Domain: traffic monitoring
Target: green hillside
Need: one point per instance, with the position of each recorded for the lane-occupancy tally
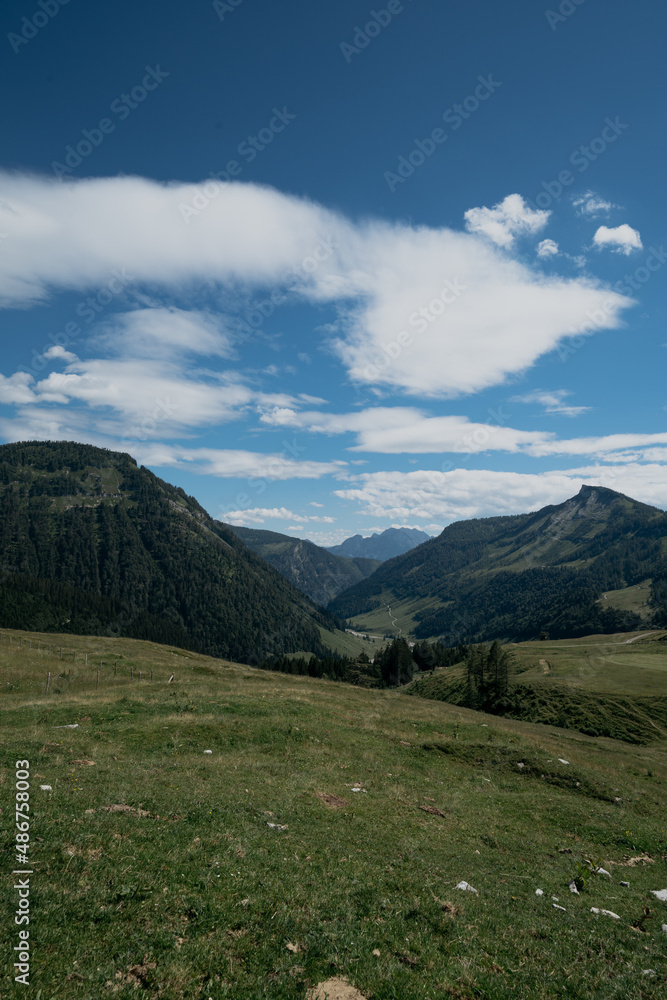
(612, 685)
(316, 572)
(514, 577)
(90, 543)
(255, 870)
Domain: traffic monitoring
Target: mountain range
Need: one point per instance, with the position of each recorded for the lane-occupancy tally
(316, 571)
(383, 545)
(91, 543)
(518, 576)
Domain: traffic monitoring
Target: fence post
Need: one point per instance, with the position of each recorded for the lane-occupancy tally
(132, 672)
(61, 652)
(114, 667)
(48, 681)
(151, 675)
(85, 659)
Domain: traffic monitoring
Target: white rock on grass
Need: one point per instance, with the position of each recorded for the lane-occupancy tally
(660, 894)
(538, 892)
(605, 913)
(626, 884)
(664, 928)
(46, 788)
(208, 751)
(466, 887)
(563, 761)
(573, 888)
(602, 871)
(557, 907)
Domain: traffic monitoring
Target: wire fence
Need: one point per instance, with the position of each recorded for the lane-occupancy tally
(33, 665)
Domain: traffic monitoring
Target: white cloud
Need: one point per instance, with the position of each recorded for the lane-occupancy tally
(258, 515)
(398, 430)
(161, 332)
(621, 239)
(546, 249)
(553, 402)
(17, 388)
(314, 503)
(466, 313)
(57, 353)
(465, 493)
(150, 397)
(508, 219)
(446, 314)
(592, 204)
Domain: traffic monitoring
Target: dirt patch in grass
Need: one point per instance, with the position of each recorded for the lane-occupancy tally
(333, 801)
(125, 809)
(334, 989)
(433, 810)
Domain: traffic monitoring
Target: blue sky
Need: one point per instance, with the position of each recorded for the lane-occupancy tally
(333, 268)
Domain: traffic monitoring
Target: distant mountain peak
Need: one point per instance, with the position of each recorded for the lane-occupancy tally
(598, 491)
(385, 545)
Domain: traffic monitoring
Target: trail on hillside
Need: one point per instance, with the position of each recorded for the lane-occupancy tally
(393, 622)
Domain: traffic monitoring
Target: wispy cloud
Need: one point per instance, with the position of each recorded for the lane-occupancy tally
(552, 401)
(592, 205)
(443, 497)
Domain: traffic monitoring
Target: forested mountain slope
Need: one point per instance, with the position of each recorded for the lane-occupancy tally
(516, 576)
(314, 570)
(90, 543)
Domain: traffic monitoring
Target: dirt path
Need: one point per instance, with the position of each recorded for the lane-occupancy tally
(583, 645)
(393, 621)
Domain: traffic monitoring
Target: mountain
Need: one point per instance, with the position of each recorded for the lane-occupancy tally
(383, 546)
(314, 570)
(92, 544)
(514, 577)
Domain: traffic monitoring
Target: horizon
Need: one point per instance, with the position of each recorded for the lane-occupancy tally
(406, 276)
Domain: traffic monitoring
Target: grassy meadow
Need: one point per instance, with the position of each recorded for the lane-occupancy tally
(257, 871)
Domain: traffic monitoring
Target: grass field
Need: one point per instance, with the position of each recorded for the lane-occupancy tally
(604, 663)
(611, 685)
(635, 598)
(255, 871)
(380, 622)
